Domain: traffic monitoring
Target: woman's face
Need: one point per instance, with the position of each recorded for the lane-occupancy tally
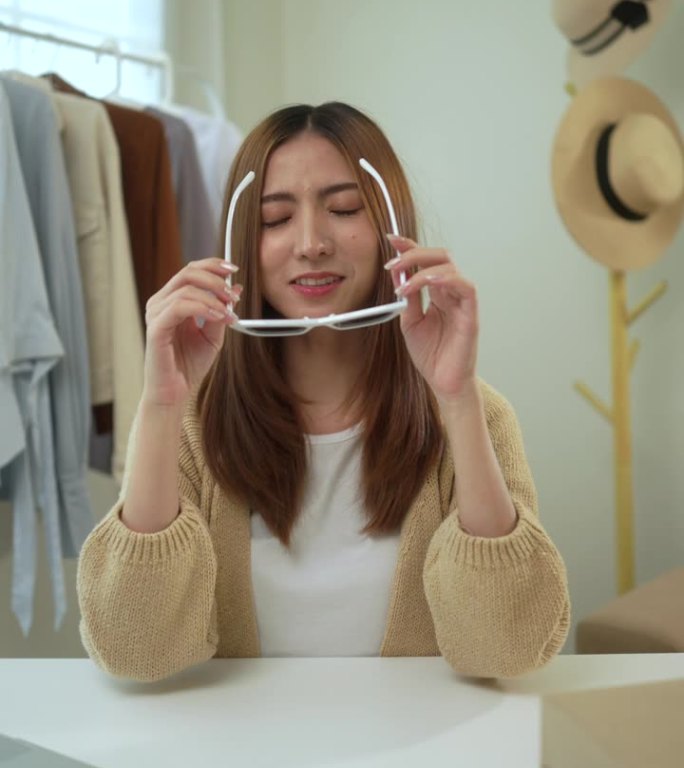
(319, 252)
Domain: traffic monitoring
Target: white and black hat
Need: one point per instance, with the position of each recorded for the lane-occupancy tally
(606, 36)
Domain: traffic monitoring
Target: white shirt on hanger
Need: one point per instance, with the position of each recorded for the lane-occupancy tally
(218, 141)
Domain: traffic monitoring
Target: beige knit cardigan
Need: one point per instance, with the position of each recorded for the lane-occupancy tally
(154, 604)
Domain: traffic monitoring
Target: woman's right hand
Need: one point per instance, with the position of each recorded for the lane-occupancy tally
(178, 352)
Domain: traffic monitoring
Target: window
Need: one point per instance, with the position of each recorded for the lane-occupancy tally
(135, 26)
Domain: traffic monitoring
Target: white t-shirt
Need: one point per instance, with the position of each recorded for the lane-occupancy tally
(328, 594)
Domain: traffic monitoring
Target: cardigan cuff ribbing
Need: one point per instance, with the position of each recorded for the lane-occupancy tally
(129, 546)
(500, 552)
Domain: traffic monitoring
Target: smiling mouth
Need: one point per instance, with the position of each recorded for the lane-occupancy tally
(316, 282)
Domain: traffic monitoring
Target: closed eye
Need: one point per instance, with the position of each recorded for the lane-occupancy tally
(276, 223)
(347, 212)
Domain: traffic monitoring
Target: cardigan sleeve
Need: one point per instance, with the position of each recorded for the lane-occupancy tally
(500, 606)
(147, 600)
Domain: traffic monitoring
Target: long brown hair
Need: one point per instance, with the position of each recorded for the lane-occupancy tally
(252, 434)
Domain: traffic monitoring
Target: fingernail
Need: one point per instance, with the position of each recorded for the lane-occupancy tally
(229, 266)
(232, 294)
(393, 262)
(434, 278)
(392, 236)
(401, 289)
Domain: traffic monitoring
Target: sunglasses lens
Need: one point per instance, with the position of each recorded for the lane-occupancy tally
(362, 322)
(298, 331)
(265, 331)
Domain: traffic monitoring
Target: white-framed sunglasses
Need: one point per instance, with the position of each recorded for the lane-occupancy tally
(345, 321)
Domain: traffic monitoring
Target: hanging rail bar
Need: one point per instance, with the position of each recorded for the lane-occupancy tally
(161, 61)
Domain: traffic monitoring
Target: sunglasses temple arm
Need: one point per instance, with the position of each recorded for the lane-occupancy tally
(249, 178)
(388, 201)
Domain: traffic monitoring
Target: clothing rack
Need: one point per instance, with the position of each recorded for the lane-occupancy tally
(160, 60)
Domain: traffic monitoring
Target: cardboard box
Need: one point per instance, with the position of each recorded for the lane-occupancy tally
(635, 726)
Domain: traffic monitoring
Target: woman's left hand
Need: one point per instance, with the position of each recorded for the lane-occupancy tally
(442, 341)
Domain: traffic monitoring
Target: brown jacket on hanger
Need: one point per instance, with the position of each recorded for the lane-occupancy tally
(149, 201)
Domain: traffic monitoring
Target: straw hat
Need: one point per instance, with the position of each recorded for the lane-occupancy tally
(618, 173)
(606, 36)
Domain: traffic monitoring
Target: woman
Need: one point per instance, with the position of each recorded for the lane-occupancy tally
(338, 492)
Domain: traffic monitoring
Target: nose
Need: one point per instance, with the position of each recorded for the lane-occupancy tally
(312, 240)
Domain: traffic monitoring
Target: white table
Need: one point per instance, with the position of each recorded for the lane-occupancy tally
(351, 713)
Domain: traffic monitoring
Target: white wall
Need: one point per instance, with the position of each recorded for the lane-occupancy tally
(471, 94)
(235, 46)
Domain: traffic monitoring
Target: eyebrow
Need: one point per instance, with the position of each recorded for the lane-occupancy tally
(325, 192)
